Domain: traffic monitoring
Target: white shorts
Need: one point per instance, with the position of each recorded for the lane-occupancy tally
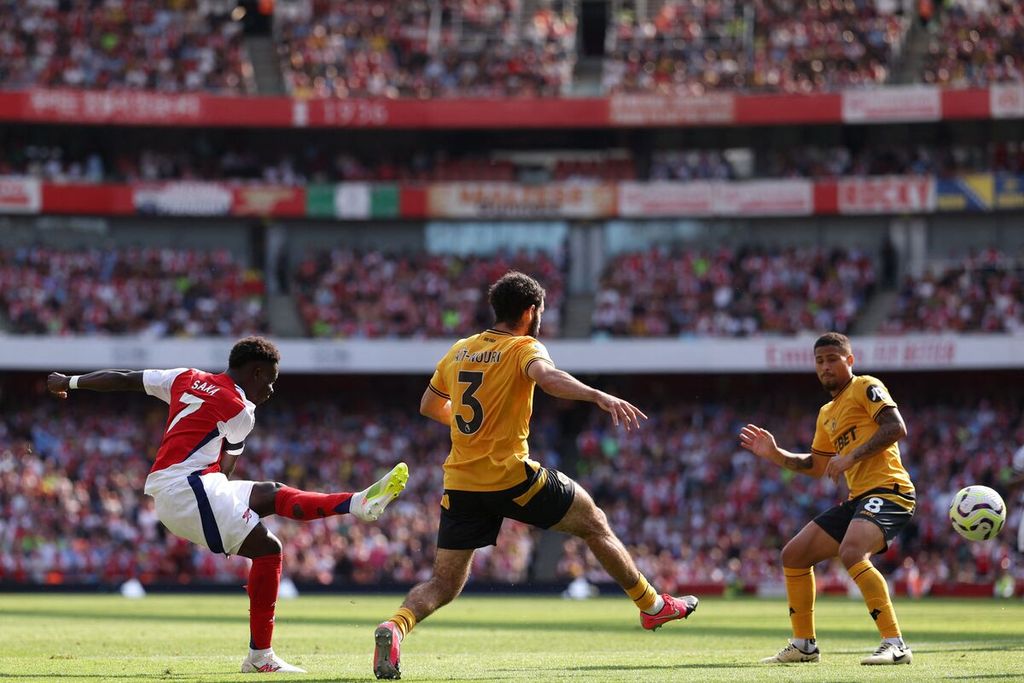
(1020, 534)
(208, 510)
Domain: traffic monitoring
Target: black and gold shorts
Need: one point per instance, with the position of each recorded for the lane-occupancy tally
(472, 519)
(890, 509)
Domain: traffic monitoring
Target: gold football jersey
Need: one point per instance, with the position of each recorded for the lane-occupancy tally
(484, 376)
(847, 421)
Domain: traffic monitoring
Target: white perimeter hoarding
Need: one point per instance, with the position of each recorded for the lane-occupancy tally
(789, 354)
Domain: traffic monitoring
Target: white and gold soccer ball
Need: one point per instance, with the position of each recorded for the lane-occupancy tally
(977, 513)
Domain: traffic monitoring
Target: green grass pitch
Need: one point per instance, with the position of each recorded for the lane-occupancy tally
(204, 638)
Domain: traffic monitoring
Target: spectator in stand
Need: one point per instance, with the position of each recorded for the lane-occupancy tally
(346, 293)
(691, 47)
(731, 293)
(983, 293)
(977, 44)
(151, 292)
(452, 48)
(165, 46)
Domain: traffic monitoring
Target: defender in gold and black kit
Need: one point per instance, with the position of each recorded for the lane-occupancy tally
(482, 390)
(856, 436)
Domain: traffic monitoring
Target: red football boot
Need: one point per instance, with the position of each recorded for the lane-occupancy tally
(675, 608)
(386, 653)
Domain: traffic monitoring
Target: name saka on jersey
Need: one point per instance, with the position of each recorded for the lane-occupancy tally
(209, 416)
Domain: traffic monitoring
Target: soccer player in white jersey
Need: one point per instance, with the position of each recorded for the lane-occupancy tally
(209, 419)
(1016, 483)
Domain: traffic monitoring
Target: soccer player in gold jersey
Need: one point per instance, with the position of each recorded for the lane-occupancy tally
(855, 436)
(482, 390)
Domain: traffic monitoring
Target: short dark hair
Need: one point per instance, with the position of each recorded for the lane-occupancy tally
(513, 293)
(253, 349)
(834, 339)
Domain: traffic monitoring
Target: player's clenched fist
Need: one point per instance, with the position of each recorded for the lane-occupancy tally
(57, 384)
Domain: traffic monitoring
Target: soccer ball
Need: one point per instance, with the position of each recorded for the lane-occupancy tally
(977, 513)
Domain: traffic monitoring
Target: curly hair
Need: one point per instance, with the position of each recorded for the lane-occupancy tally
(253, 349)
(834, 339)
(512, 294)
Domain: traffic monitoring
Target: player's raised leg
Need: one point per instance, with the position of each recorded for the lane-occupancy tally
(587, 521)
(270, 498)
(863, 539)
(264, 580)
(451, 570)
(809, 547)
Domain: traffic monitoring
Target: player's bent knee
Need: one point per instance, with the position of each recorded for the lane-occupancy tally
(794, 555)
(851, 555)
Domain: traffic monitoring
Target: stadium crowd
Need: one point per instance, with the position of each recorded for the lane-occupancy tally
(349, 293)
(206, 157)
(690, 504)
(980, 293)
(140, 291)
(977, 43)
(166, 46)
(731, 292)
(697, 508)
(384, 48)
(691, 47)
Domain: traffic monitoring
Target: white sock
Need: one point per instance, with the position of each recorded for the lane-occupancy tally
(805, 645)
(659, 604)
(898, 641)
(259, 653)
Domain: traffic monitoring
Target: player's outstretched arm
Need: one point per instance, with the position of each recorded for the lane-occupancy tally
(561, 384)
(761, 443)
(102, 380)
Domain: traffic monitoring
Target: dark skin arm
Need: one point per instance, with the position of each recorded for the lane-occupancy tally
(891, 429)
(101, 380)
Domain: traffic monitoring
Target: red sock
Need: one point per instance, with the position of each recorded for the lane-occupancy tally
(296, 504)
(264, 580)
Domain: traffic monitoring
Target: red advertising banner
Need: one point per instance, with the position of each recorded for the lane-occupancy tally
(268, 200)
(887, 194)
(667, 110)
(892, 104)
(880, 105)
(84, 199)
(20, 195)
(509, 200)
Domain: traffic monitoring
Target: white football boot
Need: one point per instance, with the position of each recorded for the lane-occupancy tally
(266, 662)
(890, 653)
(368, 505)
(791, 654)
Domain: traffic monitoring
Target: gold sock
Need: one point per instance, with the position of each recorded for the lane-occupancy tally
(800, 594)
(405, 620)
(642, 595)
(876, 596)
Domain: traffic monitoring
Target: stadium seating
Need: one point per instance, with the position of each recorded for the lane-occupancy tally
(347, 293)
(149, 292)
(384, 48)
(691, 47)
(166, 46)
(731, 292)
(976, 44)
(982, 293)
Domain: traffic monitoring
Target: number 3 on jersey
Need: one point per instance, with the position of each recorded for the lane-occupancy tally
(474, 380)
